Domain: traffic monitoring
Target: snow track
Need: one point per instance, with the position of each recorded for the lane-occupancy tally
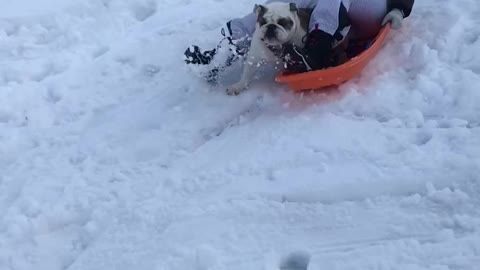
(113, 155)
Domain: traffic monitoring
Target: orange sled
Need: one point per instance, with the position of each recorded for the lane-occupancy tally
(314, 80)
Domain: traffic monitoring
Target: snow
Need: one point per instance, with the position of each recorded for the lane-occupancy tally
(114, 155)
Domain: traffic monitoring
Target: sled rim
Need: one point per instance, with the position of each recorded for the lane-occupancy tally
(318, 79)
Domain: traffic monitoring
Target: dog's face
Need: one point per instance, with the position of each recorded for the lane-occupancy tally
(276, 22)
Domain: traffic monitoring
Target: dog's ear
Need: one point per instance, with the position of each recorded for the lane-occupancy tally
(293, 7)
(260, 10)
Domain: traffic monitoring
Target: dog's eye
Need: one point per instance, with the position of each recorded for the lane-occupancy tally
(285, 23)
(262, 21)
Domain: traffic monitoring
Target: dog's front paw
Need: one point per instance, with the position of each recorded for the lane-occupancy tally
(235, 90)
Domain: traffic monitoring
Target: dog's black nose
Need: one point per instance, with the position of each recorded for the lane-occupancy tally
(271, 31)
(271, 27)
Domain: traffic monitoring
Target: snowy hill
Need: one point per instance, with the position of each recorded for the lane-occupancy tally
(113, 155)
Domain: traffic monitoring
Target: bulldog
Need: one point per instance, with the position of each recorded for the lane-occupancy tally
(278, 24)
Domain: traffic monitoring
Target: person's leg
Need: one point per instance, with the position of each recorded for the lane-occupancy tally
(236, 36)
(366, 17)
(241, 29)
(328, 15)
(236, 33)
(234, 43)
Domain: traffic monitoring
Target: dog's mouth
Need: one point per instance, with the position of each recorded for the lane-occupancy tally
(274, 35)
(273, 42)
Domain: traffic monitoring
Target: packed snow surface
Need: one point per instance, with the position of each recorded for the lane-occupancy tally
(115, 155)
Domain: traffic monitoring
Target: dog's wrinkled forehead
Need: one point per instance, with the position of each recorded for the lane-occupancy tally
(274, 12)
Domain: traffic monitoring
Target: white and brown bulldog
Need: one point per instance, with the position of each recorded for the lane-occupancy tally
(277, 24)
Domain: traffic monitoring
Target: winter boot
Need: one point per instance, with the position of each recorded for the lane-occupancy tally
(314, 56)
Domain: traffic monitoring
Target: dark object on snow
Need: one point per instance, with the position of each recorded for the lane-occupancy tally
(193, 55)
